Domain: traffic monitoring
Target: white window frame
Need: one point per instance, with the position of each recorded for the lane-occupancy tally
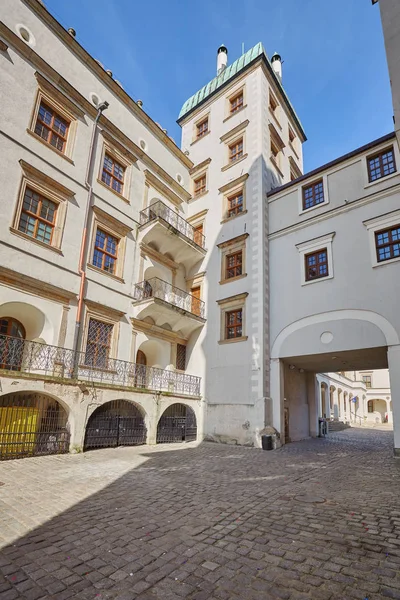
(324, 178)
(314, 245)
(387, 146)
(376, 224)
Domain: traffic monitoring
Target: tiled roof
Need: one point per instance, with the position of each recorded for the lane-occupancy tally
(227, 74)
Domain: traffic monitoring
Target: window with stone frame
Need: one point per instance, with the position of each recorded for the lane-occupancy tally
(236, 150)
(273, 103)
(387, 243)
(233, 324)
(313, 194)
(113, 173)
(381, 164)
(235, 204)
(51, 127)
(316, 264)
(38, 216)
(236, 102)
(202, 128)
(200, 185)
(98, 344)
(105, 251)
(233, 264)
(367, 379)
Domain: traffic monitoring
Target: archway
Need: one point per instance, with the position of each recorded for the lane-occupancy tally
(32, 424)
(116, 423)
(177, 424)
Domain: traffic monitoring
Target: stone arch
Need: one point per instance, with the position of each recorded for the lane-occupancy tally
(33, 320)
(116, 423)
(377, 322)
(33, 423)
(178, 423)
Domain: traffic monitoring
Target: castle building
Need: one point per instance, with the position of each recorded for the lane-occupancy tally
(153, 294)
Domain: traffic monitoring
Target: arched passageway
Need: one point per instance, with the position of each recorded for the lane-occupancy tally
(12, 336)
(116, 423)
(177, 424)
(32, 424)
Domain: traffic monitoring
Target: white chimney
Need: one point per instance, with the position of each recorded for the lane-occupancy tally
(222, 59)
(276, 62)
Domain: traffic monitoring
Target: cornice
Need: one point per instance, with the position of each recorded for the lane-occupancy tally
(234, 183)
(35, 287)
(234, 131)
(111, 221)
(233, 298)
(200, 166)
(32, 172)
(162, 188)
(235, 240)
(101, 309)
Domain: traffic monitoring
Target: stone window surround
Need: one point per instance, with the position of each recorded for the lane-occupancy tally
(227, 305)
(107, 223)
(204, 116)
(198, 219)
(56, 100)
(96, 311)
(379, 150)
(196, 172)
(313, 245)
(232, 94)
(324, 178)
(113, 149)
(229, 190)
(51, 189)
(231, 137)
(230, 247)
(375, 224)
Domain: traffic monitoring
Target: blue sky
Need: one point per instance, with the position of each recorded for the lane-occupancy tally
(163, 51)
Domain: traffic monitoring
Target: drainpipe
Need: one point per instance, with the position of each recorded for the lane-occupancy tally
(89, 185)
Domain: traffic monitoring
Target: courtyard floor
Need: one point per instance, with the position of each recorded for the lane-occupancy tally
(317, 519)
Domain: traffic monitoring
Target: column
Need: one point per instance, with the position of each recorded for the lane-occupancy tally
(394, 375)
(63, 327)
(276, 393)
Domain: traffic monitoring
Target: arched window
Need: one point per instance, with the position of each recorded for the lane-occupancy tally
(370, 406)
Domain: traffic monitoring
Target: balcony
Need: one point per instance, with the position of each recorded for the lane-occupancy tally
(167, 304)
(170, 233)
(55, 363)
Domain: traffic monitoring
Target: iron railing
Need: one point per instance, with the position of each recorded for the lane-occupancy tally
(42, 359)
(162, 211)
(157, 288)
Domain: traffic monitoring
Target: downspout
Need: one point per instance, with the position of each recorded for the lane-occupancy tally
(81, 269)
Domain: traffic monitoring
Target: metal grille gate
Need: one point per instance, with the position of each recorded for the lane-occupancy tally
(32, 425)
(177, 424)
(117, 423)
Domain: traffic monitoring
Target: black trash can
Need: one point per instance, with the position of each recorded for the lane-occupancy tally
(266, 441)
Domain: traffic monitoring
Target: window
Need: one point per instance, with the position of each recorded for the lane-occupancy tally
(370, 405)
(105, 251)
(236, 103)
(316, 264)
(387, 242)
(292, 135)
(180, 357)
(367, 379)
(233, 324)
(38, 216)
(198, 236)
(382, 164)
(202, 128)
(236, 150)
(233, 319)
(200, 185)
(233, 265)
(274, 151)
(235, 204)
(273, 103)
(51, 127)
(98, 344)
(313, 194)
(113, 174)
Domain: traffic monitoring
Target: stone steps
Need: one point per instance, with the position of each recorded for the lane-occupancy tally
(337, 426)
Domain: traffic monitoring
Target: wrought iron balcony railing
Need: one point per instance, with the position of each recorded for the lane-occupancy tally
(42, 359)
(157, 288)
(162, 211)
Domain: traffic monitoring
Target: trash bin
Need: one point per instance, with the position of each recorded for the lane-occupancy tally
(266, 441)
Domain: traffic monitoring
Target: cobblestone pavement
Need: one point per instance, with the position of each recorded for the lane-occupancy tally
(318, 519)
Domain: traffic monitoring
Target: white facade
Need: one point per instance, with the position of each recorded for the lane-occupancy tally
(44, 282)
